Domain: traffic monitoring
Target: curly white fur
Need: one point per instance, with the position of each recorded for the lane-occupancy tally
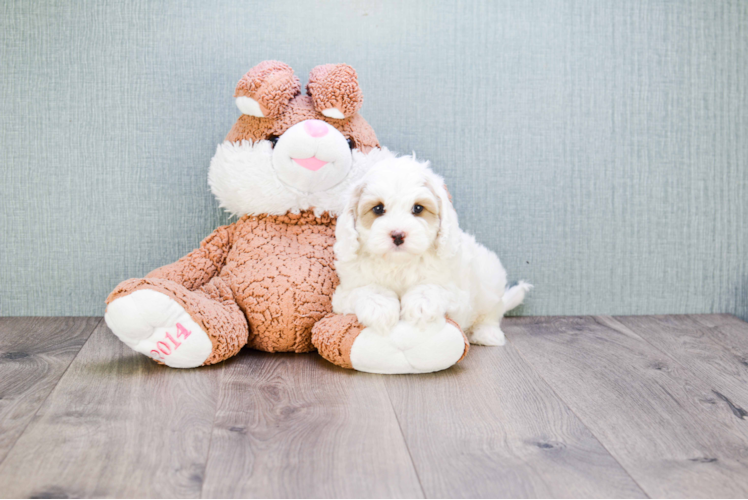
(415, 264)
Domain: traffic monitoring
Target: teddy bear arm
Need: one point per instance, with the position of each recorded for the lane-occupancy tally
(201, 265)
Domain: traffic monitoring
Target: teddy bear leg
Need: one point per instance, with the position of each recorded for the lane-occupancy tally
(175, 326)
(406, 349)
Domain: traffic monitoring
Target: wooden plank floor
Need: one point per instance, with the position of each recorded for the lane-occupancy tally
(647, 406)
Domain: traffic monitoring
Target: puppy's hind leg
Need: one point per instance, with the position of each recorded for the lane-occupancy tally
(486, 331)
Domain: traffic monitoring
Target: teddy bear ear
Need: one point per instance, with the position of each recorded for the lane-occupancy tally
(266, 89)
(335, 91)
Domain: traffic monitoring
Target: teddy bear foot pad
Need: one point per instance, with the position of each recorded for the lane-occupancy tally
(408, 349)
(156, 325)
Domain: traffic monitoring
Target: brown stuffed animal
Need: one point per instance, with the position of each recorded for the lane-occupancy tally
(268, 278)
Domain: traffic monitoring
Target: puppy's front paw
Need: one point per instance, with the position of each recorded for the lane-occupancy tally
(487, 335)
(421, 307)
(378, 311)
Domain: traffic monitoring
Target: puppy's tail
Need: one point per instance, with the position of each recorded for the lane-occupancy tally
(515, 295)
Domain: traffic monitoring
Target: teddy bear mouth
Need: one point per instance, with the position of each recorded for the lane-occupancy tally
(312, 163)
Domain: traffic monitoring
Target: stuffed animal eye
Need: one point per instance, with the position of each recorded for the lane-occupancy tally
(417, 209)
(273, 140)
(378, 210)
(351, 144)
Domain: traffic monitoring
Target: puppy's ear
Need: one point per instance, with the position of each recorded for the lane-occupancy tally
(335, 91)
(346, 235)
(266, 89)
(448, 237)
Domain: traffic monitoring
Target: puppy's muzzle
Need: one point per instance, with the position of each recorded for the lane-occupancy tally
(398, 237)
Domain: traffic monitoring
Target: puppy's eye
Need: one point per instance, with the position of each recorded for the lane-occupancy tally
(378, 210)
(351, 144)
(417, 209)
(273, 140)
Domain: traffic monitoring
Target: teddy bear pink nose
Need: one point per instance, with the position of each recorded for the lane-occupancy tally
(315, 128)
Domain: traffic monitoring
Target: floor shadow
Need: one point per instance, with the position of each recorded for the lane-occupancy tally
(134, 364)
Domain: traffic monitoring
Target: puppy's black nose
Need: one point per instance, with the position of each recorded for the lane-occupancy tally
(398, 237)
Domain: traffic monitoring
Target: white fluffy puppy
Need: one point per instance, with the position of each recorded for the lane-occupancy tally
(401, 255)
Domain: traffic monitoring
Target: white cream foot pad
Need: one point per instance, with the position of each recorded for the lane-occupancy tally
(408, 349)
(156, 325)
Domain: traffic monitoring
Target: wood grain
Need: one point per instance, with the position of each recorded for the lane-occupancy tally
(729, 332)
(665, 426)
(34, 353)
(293, 425)
(712, 353)
(571, 407)
(490, 427)
(117, 424)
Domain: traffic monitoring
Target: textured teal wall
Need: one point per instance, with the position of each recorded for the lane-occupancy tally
(600, 147)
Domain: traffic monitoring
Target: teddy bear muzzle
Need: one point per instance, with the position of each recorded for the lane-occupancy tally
(312, 156)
